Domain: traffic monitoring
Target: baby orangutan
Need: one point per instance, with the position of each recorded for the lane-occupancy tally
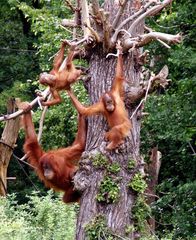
(112, 106)
(62, 75)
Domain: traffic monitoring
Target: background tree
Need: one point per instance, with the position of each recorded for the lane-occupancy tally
(171, 125)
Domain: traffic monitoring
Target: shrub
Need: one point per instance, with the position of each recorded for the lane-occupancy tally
(42, 218)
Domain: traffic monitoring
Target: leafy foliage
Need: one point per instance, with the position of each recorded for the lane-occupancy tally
(141, 212)
(177, 210)
(17, 56)
(131, 164)
(171, 124)
(108, 190)
(40, 218)
(97, 229)
(137, 183)
(113, 168)
(99, 160)
(45, 21)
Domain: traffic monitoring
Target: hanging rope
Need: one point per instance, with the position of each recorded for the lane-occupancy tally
(6, 144)
(19, 162)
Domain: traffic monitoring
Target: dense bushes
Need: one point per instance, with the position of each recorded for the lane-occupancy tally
(42, 218)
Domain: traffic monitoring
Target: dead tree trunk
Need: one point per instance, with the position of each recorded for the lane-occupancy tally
(110, 169)
(112, 182)
(7, 142)
(118, 214)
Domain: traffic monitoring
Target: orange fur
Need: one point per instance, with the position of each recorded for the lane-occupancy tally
(117, 116)
(61, 76)
(62, 161)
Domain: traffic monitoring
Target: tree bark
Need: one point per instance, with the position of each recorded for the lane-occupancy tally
(118, 215)
(7, 142)
(153, 172)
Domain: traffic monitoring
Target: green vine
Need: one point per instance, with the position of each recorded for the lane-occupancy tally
(131, 164)
(97, 229)
(141, 212)
(108, 190)
(99, 160)
(113, 168)
(138, 184)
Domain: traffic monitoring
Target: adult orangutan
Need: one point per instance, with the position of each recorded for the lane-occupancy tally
(55, 168)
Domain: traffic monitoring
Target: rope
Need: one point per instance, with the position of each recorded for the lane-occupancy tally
(6, 144)
(18, 160)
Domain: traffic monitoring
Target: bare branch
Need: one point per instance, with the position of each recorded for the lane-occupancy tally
(106, 29)
(161, 77)
(68, 3)
(45, 93)
(96, 16)
(193, 150)
(163, 43)
(119, 14)
(129, 19)
(95, 12)
(169, 38)
(150, 30)
(66, 29)
(135, 94)
(95, 6)
(152, 11)
(144, 39)
(69, 23)
(85, 18)
(93, 33)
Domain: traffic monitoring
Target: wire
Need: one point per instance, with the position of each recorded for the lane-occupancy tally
(17, 50)
(17, 159)
(21, 160)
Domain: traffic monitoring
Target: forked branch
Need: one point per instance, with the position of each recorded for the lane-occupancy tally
(129, 19)
(150, 12)
(135, 94)
(132, 40)
(119, 14)
(144, 39)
